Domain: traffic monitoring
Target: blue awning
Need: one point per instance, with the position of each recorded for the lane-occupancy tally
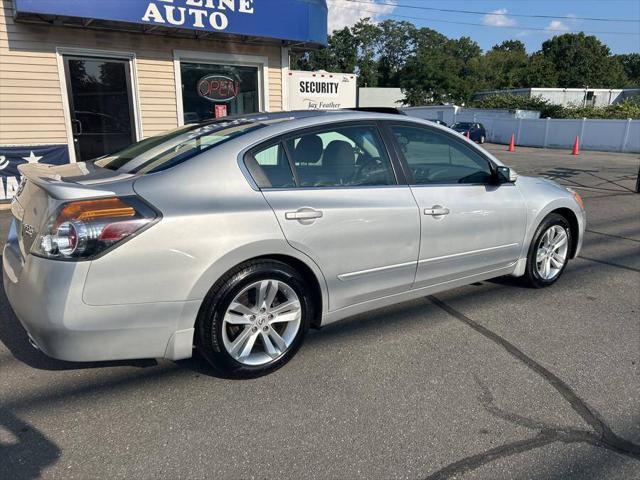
(302, 21)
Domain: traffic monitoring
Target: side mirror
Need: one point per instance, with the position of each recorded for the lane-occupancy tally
(506, 175)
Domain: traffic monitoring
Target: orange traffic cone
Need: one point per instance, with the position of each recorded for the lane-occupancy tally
(468, 134)
(576, 147)
(512, 143)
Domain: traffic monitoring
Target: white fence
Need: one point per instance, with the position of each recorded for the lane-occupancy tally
(605, 135)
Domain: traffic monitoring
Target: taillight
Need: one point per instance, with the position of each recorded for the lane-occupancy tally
(86, 228)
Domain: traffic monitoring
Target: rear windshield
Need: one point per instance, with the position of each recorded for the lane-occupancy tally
(462, 125)
(176, 146)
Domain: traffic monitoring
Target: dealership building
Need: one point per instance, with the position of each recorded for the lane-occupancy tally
(80, 79)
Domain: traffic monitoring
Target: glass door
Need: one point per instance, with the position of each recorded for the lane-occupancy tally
(101, 105)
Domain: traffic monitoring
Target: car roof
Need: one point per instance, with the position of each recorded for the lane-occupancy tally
(351, 114)
(277, 123)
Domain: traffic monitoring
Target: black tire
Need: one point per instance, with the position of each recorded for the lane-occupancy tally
(531, 277)
(482, 139)
(209, 324)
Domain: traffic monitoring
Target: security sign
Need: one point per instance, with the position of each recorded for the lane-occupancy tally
(321, 90)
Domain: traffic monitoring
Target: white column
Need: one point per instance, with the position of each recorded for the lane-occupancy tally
(625, 137)
(546, 132)
(284, 64)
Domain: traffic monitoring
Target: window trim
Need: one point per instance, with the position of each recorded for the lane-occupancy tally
(292, 163)
(251, 153)
(231, 59)
(388, 124)
(396, 167)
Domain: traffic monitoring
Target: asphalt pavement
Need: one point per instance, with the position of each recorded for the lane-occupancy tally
(489, 381)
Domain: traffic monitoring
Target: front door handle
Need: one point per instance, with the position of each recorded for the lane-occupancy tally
(437, 211)
(303, 214)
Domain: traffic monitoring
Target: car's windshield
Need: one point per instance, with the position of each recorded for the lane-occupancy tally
(462, 125)
(176, 146)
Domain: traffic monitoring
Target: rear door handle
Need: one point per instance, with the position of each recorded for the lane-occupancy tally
(303, 214)
(437, 211)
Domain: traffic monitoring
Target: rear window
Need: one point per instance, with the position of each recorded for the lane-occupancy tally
(176, 146)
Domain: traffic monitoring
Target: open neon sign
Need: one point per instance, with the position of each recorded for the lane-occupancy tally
(218, 88)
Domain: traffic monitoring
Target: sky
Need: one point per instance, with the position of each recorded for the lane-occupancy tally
(498, 20)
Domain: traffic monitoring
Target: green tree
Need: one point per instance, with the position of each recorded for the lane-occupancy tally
(441, 70)
(504, 66)
(539, 72)
(340, 55)
(367, 37)
(396, 43)
(582, 60)
(432, 68)
(631, 65)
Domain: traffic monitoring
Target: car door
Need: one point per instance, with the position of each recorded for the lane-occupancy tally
(475, 133)
(347, 210)
(470, 224)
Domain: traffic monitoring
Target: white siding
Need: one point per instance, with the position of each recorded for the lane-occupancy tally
(31, 104)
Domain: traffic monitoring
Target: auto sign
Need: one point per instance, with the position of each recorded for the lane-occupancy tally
(218, 88)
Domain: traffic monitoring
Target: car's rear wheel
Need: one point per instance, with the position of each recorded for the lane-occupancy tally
(254, 319)
(549, 251)
(482, 139)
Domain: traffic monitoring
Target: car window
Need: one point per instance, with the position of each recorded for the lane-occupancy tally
(177, 146)
(270, 168)
(435, 157)
(345, 156)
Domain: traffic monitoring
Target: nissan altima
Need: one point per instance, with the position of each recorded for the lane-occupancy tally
(232, 238)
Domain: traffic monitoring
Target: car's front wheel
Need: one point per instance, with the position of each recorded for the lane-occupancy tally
(549, 251)
(254, 319)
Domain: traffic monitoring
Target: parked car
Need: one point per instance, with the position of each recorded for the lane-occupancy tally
(475, 131)
(237, 235)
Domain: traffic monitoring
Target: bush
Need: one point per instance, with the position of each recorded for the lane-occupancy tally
(629, 108)
(623, 110)
(520, 102)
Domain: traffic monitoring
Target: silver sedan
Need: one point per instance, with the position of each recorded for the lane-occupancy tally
(234, 237)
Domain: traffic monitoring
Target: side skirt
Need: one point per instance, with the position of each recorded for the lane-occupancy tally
(358, 308)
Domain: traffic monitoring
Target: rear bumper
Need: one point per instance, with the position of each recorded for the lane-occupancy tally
(46, 296)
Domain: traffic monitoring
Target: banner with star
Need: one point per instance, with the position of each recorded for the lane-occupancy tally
(11, 157)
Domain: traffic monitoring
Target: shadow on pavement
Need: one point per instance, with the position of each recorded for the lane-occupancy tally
(25, 452)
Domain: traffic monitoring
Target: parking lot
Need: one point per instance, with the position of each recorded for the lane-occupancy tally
(489, 381)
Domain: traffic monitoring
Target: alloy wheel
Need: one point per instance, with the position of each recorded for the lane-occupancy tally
(551, 254)
(261, 322)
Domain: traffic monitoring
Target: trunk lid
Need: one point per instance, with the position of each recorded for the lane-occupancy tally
(45, 187)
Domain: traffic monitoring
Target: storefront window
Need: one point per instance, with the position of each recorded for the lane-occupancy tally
(213, 91)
